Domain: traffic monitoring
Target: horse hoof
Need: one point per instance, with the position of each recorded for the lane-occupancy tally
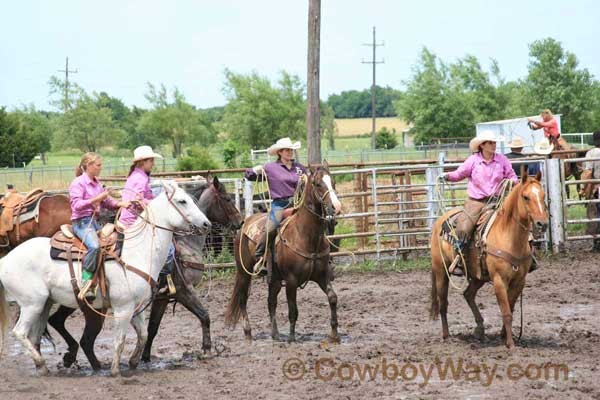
(68, 360)
(115, 373)
(133, 365)
(275, 336)
(96, 366)
(43, 371)
(334, 339)
(479, 334)
(145, 358)
(292, 339)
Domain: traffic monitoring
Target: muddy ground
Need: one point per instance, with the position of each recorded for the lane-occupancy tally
(384, 325)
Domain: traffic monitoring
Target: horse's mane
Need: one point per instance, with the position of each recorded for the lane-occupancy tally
(509, 205)
(197, 191)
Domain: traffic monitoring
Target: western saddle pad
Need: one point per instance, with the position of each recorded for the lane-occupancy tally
(254, 228)
(64, 245)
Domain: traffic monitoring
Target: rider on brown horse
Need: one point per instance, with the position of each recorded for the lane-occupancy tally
(282, 177)
(550, 126)
(485, 171)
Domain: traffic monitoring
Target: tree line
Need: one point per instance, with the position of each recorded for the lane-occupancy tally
(440, 99)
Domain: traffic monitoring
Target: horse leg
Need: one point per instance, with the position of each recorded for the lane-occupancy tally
(142, 335)
(57, 321)
(469, 295)
(290, 292)
(274, 289)
(332, 299)
(122, 318)
(93, 326)
(503, 303)
(514, 291)
(159, 305)
(22, 330)
(38, 329)
(441, 283)
(190, 300)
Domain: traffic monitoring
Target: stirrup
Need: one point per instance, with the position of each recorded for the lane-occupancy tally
(453, 270)
(259, 266)
(171, 285)
(87, 292)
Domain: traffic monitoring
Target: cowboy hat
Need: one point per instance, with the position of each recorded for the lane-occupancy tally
(486, 136)
(516, 143)
(543, 147)
(285, 143)
(143, 153)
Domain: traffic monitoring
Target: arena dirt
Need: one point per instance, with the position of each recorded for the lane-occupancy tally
(389, 349)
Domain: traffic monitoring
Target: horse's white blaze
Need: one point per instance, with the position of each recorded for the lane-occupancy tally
(536, 192)
(334, 199)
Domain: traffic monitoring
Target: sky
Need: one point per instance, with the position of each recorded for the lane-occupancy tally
(117, 46)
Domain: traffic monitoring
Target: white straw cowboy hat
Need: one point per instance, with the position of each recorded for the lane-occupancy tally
(543, 147)
(144, 152)
(516, 143)
(285, 143)
(486, 136)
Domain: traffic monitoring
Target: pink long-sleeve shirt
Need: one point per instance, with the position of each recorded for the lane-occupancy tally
(81, 192)
(137, 187)
(484, 176)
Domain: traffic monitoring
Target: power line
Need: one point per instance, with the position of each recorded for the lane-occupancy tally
(67, 71)
(374, 63)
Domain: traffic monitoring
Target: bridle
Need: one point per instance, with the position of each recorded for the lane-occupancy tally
(226, 206)
(321, 201)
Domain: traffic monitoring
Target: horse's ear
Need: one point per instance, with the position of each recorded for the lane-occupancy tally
(310, 170)
(209, 177)
(218, 185)
(538, 176)
(326, 165)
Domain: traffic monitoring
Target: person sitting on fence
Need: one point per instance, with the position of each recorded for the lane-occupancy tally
(550, 126)
(591, 170)
(516, 151)
(485, 171)
(137, 189)
(87, 195)
(282, 177)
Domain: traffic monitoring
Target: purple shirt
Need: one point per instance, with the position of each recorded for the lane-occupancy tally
(282, 181)
(484, 176)
(81, 192)
(137, 187)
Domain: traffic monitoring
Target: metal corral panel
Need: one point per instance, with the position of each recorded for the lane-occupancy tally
(509, 128)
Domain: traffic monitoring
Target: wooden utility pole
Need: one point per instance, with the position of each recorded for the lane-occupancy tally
(66, 71)
(313, 112)
(374, 63)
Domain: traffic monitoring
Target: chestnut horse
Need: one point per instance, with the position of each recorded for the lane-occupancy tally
(219, 207)
(523, 209)
(301, 254)
(54, 210)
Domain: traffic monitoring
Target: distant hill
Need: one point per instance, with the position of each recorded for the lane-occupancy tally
(360, 126)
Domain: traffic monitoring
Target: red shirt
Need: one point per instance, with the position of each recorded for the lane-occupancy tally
(550, 128)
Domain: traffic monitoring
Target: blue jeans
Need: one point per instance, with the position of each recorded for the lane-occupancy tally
(85, 229)
(276, 214)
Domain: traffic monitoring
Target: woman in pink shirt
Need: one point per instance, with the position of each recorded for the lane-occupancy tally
(87, 196)
(485, 170)
(550, 126)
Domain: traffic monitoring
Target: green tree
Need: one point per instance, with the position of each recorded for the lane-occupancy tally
(61, 98)
(230, 152)
(39, 125)
(258, 113)
(18, 139)
(554, 81)
(198, 158)
(86, 126)
(358, 104)
(386, 139)
(174, 121)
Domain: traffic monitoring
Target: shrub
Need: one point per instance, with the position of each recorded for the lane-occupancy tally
(198, 158)
(385, 139)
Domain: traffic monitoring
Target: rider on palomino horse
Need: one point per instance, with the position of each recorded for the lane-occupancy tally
(87, 196)
(137, 188)
(485, 170)
(590, 191)
(550, 126)
(282, 178)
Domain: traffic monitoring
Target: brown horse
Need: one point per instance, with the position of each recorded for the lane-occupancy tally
(301, 254)
(523, 210)
(572, 169)
(54, 211)
(219, 207)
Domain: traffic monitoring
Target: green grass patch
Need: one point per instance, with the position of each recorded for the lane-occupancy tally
(397, 265)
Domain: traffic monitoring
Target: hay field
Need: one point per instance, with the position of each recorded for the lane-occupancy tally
(359, 126)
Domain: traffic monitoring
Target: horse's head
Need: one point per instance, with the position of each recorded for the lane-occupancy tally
(220, 205)
(323, 189)
(532, 199)
(181, 211)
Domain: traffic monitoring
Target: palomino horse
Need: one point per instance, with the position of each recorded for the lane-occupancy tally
(54, 211)
(301, 255)
(36, 281)
(219, 208)
(509, 234)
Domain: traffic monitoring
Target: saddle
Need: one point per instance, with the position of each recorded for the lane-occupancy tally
(16, 208)
(254, 230)
(476, 246)
(64, 245)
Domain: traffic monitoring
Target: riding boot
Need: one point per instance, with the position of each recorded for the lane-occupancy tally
(456, 268)
(259, 254)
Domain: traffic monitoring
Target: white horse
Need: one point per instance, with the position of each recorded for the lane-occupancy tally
(36, 281)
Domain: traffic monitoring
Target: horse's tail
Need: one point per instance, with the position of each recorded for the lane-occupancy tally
(3, 316)
(241, 288)
(239, 298)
